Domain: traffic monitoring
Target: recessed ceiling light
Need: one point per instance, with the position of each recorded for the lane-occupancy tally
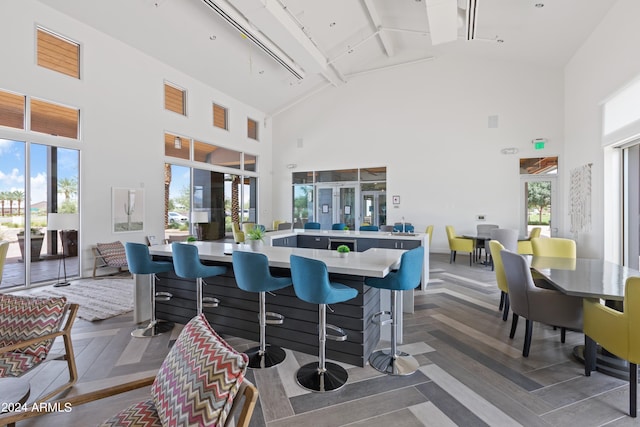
(539, 5)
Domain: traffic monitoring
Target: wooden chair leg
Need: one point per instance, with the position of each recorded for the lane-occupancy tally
(633, 389)
(514, 326)
(527, 338)
(507, 303)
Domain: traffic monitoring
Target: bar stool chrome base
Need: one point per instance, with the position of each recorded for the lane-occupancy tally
(400, 364)
(311, 378)
(272, 356)
(153, 329)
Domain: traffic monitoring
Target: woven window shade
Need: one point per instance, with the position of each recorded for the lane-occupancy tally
(219, 117)
(11, 110)
(252, 129)
(58, 54)
(174, 99)
(54, 119)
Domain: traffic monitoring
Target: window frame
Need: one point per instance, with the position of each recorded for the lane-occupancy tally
(78, 45)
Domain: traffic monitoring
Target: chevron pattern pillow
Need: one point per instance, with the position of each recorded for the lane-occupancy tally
(23, 318)
(199, 378)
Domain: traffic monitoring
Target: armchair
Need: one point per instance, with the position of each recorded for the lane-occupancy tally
(524, 246)
(537, 304)
(457, 243)
(28, 327)
(238, 235)
(616, 331)
(201, 382)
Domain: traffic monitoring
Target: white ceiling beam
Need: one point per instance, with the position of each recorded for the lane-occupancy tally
(443, 20)
(385, 40)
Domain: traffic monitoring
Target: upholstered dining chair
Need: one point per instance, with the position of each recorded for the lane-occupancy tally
(201, 382)
(617, 332)
(28, 327)
(483, 230)
(555, 247)
(238, 234)
(496, 247)
(537, 304)
(457, 243)
(507, 237)
(429, 231)
(524, 246)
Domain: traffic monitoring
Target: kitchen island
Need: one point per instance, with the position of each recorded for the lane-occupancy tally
(237, 312)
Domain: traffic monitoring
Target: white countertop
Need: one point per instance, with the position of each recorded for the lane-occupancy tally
(374, 262)
(345, 234)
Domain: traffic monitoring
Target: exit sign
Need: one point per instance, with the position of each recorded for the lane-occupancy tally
(538, 143)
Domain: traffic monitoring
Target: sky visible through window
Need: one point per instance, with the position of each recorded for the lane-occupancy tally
(12, 168)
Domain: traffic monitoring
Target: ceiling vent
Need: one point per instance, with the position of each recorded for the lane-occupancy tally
(240, 23)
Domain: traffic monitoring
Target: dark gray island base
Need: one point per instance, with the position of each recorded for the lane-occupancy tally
(237, 313)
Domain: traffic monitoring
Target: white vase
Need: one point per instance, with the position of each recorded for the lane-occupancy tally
(255, 244)
(343, 254)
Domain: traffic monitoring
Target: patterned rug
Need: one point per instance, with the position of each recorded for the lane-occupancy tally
(98, 299)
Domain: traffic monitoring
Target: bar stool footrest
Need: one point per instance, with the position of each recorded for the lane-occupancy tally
(272, 356)
(153, 330)
(210, 302)
(400, 364)
(163, 296)
(341, 334)
(376, 318)
(274, 318)
(333, 378)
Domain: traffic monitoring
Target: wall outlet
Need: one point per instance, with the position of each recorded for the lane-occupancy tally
(481, 217)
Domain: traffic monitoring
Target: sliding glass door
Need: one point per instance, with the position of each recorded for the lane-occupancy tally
(35, 249)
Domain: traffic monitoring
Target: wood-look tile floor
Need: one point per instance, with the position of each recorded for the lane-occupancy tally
(471, 373)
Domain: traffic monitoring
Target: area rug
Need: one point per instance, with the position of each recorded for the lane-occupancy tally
(98, 299)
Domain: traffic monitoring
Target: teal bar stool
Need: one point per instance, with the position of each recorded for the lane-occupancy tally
(312, 226)
(406, 278)
(311, 284)
(187, 265)
(369, 228)
(338, 226)
(140, 263)
(251, 270)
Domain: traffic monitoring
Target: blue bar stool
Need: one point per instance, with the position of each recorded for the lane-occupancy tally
(139, 261)
(369, 228)
(338, 226)
(311, 284)
(407, 277)
(312, 226)
(252, 275)
(187, 265)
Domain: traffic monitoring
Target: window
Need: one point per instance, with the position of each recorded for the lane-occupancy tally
(252, 129)
(58, 53)
(215, 155)
(175, 99)
(176, 146)
(220, 117)
(54, 119)
(11, 110)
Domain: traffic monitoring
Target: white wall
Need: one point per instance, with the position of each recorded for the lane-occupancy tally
(607, 61)
(123, 120)
(428, 123)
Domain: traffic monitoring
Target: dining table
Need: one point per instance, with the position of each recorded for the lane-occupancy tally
(590, 278)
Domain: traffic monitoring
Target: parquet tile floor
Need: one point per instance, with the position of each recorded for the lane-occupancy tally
(471, 373)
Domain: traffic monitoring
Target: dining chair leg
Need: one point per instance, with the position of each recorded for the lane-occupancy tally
(563, 335)
(589, 356)
(633, 389)
(501, 301)
(450, 257)
(514, 326)
(507, 303)
(527, 338)
(470, 260)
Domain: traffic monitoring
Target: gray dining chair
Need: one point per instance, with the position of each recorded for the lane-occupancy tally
(506, 236)
(537, 304)
(483, 230)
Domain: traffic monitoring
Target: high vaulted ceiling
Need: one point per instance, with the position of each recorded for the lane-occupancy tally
(333, 41)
